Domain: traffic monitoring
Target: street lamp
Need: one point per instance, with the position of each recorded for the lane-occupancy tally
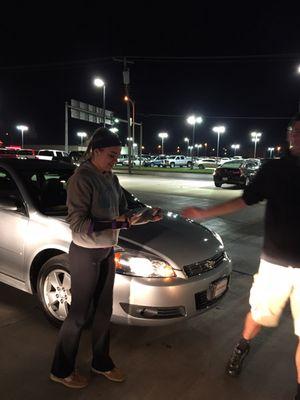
(162, 135)
(218, 130)
(193, 120)
(99, 83)
(81, 135)
(235, 147)
(191, 149)
(198, 146)
(114, 129)
(22, 128)
(255, 137)
(187, 140)
(271, 149)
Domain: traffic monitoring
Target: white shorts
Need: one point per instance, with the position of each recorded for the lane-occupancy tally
(273, 286)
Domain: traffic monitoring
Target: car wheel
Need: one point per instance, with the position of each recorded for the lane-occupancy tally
(54, 288)
(189, 164)
(218, 184)
(172, 165)
(201, 166)
(151, 164)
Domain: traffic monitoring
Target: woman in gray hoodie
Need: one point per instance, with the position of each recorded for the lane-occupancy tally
(96, 213)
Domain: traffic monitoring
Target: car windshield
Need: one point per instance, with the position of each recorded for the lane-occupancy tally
(232, 164)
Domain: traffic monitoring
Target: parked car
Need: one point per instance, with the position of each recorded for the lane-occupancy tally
(158, 161)
(26, 153)
(76, 157)
(165, 272)
(203, 163)
(122, 158)
(8, 153)
(178, 161)
(49, 154)
(237, 172)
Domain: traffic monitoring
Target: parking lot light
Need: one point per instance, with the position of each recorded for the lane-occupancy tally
(218, 129)
(99, 83)
(163, 136)
(235, 147)
(22, 128)
(271, 149)
(255, 137)
(81, 135)
(193, 120)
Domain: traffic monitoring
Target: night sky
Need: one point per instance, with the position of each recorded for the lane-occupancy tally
(220, 62)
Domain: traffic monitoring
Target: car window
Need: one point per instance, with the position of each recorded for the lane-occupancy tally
(48, 189)
(232, 164)
(25, 152)
(9, 190)
(46, 153)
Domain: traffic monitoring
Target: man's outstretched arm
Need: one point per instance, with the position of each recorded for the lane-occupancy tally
(211, 212)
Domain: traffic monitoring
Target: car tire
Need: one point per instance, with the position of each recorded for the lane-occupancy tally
(151, 164)
(172, 165)
(201, 166)
(54, 288)
(218, 184)
(189, 164)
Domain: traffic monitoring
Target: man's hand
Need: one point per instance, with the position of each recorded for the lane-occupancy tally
(193, 213)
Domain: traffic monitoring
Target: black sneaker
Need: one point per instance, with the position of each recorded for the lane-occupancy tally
(235, 363)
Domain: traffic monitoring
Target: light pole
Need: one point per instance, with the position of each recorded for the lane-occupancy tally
(271, 149)
(198, 146)
(191, 150)
(193, 120)
(128, 100)
(99, 83)
(255, 137)
(218, 130)
(235, 147)
(81, 135)
(22, 128)
(187, 140)
(162, 135)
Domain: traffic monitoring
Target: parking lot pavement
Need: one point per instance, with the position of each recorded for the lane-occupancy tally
(184, 360)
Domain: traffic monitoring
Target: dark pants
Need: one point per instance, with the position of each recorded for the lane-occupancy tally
(92, 275)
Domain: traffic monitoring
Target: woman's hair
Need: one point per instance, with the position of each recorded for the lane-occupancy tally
(102, 137)
(294, 119)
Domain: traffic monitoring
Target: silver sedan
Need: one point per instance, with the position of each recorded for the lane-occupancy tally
(165, 272)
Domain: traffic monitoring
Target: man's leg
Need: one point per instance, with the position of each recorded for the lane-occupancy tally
(240, 351)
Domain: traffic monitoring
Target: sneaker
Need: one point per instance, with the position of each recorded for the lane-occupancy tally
(115, 375)
(235, 363)
(74, 381)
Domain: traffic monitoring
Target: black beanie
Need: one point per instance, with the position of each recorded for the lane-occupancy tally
(103, 137)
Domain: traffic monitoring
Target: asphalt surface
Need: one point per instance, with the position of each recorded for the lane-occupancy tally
(181, 361)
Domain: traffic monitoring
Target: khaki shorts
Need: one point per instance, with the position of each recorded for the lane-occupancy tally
(273, 286)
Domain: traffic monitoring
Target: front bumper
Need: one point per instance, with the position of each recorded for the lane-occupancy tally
(153, 301)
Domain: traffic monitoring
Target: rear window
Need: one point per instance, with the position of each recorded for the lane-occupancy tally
(26, 152)
(232, 164)
(46, 153)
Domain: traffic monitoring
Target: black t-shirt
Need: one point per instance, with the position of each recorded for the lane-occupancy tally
(278, 182)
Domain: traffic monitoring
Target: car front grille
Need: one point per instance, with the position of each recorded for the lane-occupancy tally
(201, 267)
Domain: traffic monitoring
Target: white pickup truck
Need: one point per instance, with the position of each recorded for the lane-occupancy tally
(178, 161)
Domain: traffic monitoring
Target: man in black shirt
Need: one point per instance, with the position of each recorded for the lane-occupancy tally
(278, 278)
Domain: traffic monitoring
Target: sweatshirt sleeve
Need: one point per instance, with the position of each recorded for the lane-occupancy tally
(256, 191)
(123, 206)
(79, 197)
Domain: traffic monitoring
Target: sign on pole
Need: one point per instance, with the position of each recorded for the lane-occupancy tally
(90, 113)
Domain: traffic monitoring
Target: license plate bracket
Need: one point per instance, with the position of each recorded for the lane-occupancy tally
(216, 289)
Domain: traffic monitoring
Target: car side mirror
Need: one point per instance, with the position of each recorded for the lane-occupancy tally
(8, 204)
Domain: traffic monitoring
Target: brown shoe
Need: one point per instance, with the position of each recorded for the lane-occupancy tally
(115, 375)
(74, 381)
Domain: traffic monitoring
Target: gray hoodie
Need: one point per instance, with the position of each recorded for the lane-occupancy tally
(94, 194)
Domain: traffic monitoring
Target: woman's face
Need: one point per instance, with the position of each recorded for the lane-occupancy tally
(105, 159)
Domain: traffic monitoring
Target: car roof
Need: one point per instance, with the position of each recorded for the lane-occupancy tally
(35, 164)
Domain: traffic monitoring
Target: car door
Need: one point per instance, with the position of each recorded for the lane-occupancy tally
(13, 228)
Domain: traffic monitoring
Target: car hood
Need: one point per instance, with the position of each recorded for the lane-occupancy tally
(181, 241)
(175, 239)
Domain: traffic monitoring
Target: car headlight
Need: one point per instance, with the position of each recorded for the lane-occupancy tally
(142, 264)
